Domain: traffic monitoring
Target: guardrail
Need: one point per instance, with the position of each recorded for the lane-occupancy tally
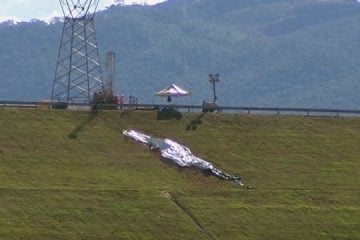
(189, 108)
(18, 104)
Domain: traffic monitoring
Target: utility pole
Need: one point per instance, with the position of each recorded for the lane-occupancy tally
(214, 78)
(109, 81)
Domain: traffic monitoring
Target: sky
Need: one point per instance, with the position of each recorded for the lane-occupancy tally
(25, 10)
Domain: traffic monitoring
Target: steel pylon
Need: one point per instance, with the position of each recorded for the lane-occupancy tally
(78, 72)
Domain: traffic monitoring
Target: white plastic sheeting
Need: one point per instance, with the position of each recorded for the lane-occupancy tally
(182, 156)
(139, 137)
(178, 154)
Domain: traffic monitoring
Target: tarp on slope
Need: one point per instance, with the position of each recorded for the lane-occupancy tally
(179, 154)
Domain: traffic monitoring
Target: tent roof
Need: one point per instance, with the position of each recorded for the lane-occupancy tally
(172, 91)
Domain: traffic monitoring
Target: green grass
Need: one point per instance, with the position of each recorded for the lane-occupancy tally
(67, 175)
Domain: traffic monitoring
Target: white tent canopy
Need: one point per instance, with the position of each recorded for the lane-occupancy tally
(172, 91)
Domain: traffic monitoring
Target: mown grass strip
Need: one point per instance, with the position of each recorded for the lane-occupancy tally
(190, 216)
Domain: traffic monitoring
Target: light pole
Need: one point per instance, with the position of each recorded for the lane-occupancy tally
(214, 78)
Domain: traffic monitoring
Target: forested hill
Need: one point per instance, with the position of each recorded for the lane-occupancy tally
(303, 53)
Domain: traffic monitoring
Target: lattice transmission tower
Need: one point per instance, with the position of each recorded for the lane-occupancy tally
(78, 72)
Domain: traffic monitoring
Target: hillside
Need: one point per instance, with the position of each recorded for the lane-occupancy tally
(276, 53)
(70, 175)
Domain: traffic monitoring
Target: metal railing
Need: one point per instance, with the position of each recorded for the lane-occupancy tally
(197, 108)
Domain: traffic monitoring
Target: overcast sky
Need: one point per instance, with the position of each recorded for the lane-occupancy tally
(25, 10)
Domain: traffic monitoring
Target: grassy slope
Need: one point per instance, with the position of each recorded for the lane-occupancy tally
(64, 175)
